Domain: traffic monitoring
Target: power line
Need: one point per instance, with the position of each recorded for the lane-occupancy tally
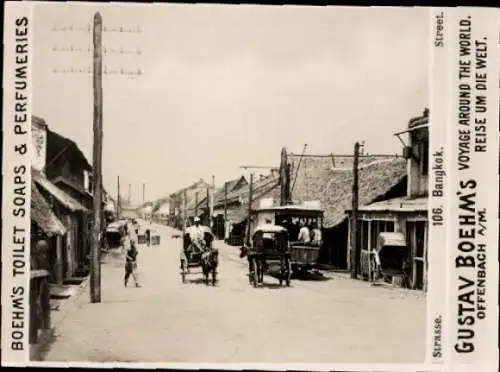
(106, 71)
(106, 50)
(88, 29)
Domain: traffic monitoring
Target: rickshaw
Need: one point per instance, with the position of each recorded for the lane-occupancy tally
(114, 233)
(304, 256)
(207, 261)
(269, 245)
(390, 258)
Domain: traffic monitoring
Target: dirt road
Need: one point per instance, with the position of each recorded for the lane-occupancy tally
(337, 320)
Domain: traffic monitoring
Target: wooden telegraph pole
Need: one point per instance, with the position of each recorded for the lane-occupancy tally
(207, 218)
(250, 197)
(225, 206)
(212, 201)
(355, 252)
(196, 201)
(283, 180)
(95, 277)
(118, 198)
(184, 209)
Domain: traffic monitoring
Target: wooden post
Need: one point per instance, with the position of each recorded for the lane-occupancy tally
(225, 207)
(212, 201)
(184, 209)
(207, 207)
(283, 178)
(118, 199)
(370, 237)
(59, 260)
(196, 203)
(354, 217)
(250, 197)
(95, 277)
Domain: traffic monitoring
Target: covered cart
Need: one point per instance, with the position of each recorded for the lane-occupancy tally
(190, 259)
(303, 256)
(269, 247)
(114, 233)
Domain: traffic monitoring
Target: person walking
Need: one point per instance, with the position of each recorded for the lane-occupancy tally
(148, 236)
(131, 264)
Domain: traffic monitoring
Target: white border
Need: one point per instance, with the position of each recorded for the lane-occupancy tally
(11, 159)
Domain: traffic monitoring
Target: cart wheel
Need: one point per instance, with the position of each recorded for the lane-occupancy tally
(183, 270)
(288, 272)
(255, 279)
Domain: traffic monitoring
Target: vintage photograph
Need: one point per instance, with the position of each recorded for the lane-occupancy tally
(229, 184)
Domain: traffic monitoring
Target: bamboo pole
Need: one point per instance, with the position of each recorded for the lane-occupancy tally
(354, 217)
(95, 277)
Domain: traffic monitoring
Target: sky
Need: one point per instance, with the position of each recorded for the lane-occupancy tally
(229, 85)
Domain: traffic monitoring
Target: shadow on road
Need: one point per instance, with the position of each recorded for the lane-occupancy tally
(310, 276)
(200, 281)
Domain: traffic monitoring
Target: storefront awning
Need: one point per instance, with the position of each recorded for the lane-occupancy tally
(58, 194)
(43, 215)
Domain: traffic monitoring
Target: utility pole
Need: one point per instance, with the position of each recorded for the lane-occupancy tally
(184, 209)
(355, 252)
(196, 204)
(118, 198)
(95, 277)
(212, 201)
(250, 197)
(225, 205)
(207, 218)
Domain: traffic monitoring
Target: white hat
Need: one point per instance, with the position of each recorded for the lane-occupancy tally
(197, 219)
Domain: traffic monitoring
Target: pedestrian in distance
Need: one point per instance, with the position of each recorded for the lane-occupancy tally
(131, 264)
(148, 236)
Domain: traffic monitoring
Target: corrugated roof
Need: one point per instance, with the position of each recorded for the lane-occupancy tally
(43, 215)
(330, 180)
(57, 193)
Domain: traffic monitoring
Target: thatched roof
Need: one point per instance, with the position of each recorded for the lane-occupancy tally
(318, 179)
(43, 215)
(62, 197)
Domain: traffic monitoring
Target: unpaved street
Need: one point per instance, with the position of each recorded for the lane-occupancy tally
(337, 320)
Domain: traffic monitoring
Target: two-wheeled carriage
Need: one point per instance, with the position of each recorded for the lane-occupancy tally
(269, 248)
(205, 258)
(303, 256)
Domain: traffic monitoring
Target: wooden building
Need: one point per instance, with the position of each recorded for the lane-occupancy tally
(61, 170)
(405, 215)
(73, 215)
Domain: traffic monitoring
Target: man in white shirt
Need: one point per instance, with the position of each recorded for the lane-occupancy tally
(317, 238)
(304, 234)
(197, 235)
